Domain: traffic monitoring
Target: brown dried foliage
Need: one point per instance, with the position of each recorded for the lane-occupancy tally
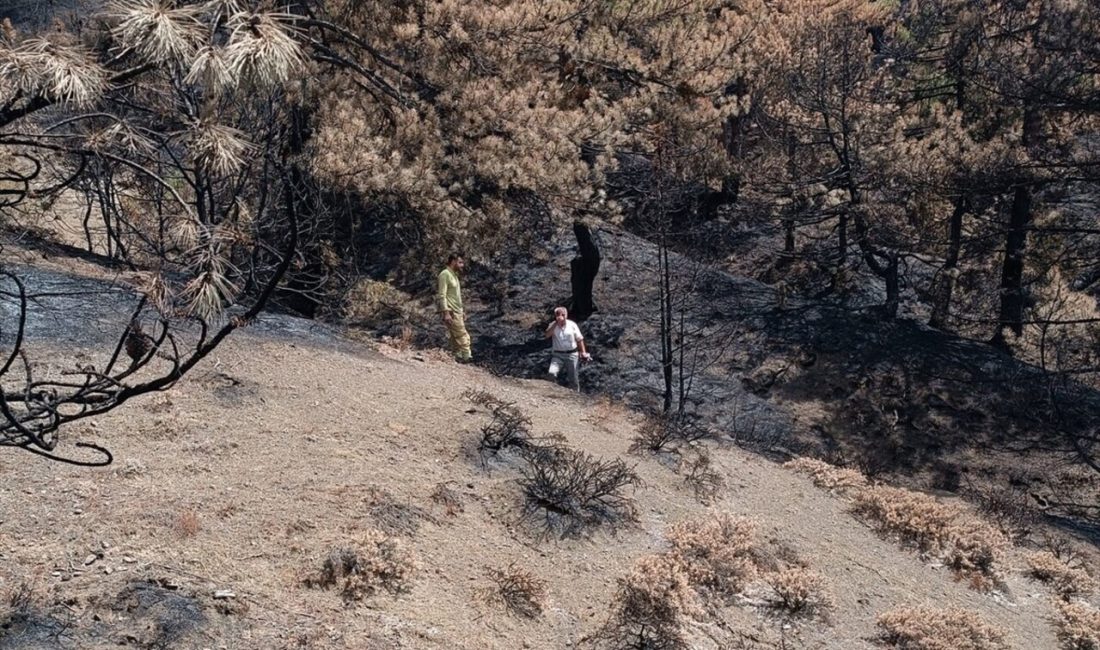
(716, 553)
(1078, 625)
(929, 628)
(826, 476)
(799, 590)
(1066, 577)
(966, 544)
(379, 563)
(654, 602)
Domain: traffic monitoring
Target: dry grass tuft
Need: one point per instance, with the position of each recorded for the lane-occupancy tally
(520, 591)
(380, 563)
(1078, 625)
(1065, 577)
(965, 544)
(187, 524)
(928, 628)
(716, 553)
(826, 476)
(448, 498)
(799, 590)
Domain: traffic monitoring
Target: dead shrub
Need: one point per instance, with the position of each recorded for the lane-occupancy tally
(799, 590)
(701, 477)
(1078, 625)
(566, 490)
(187, 524)
(716, 553)
(1066, 578)
(520, 591)
(21, 601)
(370, 302)
(826, 476)
(507, 428)
(929, 628)
(968, 546)
(1009, 508)
(667, 433)
(448, 498)
(654, 602)
(380, 563)
(390, 515)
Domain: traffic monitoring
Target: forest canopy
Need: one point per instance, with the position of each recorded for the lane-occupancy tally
(936, 160)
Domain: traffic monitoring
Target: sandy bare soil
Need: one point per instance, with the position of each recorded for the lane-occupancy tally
(274, 452)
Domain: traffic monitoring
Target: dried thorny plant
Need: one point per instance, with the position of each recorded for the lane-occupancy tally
(665, 433)
(447, 498)
(187, 523)
(1078, 625)
(799, 591)
(716, 553)
(378, 563)
(965, 543)
(391, 516)
(654, 603)
(508, 427)
(826, 476)
(566, 491)
(521, 592)
(699, 473)
(1067, 576)
(930, 628)
(1010, 508)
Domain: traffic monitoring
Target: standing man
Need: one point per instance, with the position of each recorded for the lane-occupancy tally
(449, 303)
(567, 340)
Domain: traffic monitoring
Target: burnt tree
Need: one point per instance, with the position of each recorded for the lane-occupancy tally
(582, 273)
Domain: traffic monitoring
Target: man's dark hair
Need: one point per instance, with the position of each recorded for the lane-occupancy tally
(455, 256)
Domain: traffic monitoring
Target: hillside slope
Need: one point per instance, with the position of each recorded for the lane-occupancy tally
(278, 450)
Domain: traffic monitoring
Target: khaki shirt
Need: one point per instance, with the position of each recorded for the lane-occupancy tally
(449, 296)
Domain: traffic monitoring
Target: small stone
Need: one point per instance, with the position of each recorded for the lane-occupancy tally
(127, 558)
(90, 559)
(222, 594)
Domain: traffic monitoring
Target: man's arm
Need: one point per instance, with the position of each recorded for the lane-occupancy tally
(579, 338)
(441, 298)
(550, 329)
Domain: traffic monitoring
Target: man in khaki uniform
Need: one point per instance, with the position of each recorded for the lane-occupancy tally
(449, 302)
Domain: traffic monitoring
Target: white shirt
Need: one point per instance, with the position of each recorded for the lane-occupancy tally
(566, 336)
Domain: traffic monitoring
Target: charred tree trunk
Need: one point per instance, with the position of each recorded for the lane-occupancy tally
(945, 286)
(1011, 313)
(582, 273)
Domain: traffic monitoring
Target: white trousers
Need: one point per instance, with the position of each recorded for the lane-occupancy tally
(570, 361)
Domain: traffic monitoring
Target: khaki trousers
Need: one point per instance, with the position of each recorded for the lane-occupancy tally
(459, 337)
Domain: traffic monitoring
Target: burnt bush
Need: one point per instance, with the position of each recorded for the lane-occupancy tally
(508, 427)
(566, 490)
(668, 433)
(520, 591)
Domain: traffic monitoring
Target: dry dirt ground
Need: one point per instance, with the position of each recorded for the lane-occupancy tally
(274, 452)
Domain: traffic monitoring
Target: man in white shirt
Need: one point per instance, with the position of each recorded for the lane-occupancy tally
(567, 341)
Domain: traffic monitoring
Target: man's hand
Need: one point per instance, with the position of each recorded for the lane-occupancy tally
(447, 317)
(586, 356)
